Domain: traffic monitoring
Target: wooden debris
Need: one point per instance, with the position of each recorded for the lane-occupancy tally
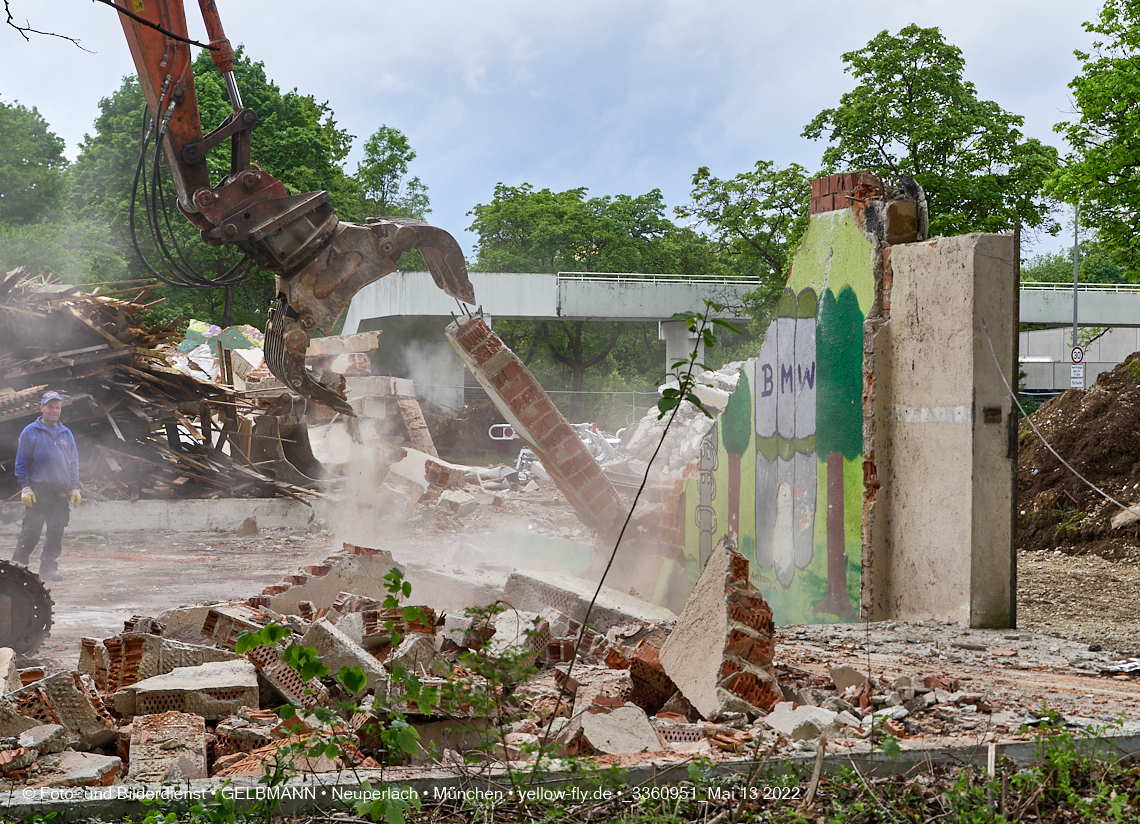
(144, 429)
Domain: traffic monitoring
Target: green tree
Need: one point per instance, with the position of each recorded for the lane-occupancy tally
(296, 140)
(912, 113)
(755, 219)
(382, 176)
(1097, 265)
(32, 167)
(524, 230)
(839, 426)
(1102, 173)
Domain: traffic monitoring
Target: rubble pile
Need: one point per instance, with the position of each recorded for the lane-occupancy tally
(688, 431)
(169, 698)
(1095, 431)
(144, 429)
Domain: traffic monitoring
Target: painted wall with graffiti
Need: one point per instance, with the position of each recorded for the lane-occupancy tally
(782, 468)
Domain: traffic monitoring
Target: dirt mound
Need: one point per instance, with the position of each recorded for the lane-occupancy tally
(1097, 431)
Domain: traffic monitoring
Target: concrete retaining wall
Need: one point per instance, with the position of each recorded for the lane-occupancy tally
(217, 515)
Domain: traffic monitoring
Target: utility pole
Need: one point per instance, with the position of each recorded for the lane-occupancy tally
(1077, 355)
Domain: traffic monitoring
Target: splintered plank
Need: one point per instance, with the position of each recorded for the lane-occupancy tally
(94, 327)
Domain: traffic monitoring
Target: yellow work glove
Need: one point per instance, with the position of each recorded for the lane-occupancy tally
(75, 498)
(27, 496)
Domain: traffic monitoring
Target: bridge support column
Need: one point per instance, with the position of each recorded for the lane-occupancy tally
(678, 342)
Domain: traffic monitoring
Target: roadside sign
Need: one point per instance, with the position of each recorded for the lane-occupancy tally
(1077, 376)
(1078, 354)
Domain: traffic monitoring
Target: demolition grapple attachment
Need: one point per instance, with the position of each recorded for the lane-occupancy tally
(319, 262)
(314, 296)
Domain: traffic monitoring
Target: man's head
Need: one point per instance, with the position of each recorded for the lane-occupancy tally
(50, 407)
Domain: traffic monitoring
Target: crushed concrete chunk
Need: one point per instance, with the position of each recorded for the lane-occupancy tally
(802, 723)
(846, 677)
(18, 759)
(168, 746)
(214, 691)
(79, 769)
(47, 738)
(417, 654)
(619, 731)
(338, 650)
(184, 623)
(518, 633)
(720, 653)
(456, 502)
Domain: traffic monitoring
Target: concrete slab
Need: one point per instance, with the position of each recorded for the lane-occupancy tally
(214, 691)
(215, 515)
(844, 677)
(456, 502)
(534, 591)
(133, 657)
(44, 739)
(453, 589)
(417, 654)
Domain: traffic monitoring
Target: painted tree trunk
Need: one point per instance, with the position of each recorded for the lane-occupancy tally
(734, 496)
(836, 602)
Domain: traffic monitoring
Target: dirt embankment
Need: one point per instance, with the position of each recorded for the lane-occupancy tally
(1097, 431)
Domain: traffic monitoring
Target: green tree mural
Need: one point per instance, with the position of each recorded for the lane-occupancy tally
(839, 426)
(737, 432)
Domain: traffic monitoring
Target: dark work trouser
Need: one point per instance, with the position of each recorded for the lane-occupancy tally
(51, 509)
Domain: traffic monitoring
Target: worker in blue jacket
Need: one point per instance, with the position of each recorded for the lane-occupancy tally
(47, 467)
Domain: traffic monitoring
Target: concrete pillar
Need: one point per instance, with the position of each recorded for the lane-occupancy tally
(942, 533)
(678, 342)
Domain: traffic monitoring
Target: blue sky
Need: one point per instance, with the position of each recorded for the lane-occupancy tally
(620, 97)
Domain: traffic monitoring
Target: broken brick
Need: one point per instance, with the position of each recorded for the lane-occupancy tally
(167, 746)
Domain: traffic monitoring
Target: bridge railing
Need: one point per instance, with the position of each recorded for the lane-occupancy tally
(1043, 286)
(634, 277)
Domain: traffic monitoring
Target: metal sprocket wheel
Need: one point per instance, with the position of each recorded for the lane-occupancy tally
(25, 609)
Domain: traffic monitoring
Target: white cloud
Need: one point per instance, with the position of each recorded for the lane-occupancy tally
(618, 97)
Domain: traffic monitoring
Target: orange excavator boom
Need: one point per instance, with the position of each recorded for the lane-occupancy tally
(319, 262)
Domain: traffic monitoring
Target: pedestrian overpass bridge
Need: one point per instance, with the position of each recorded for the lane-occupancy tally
(1098, 304)
(411, 312)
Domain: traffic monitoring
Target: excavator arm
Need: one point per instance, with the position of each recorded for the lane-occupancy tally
(319, 261)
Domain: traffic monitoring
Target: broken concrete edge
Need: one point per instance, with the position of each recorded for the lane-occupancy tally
(186, 515)
(342, 790)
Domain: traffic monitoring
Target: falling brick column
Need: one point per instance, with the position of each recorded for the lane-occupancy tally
(535, 419)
